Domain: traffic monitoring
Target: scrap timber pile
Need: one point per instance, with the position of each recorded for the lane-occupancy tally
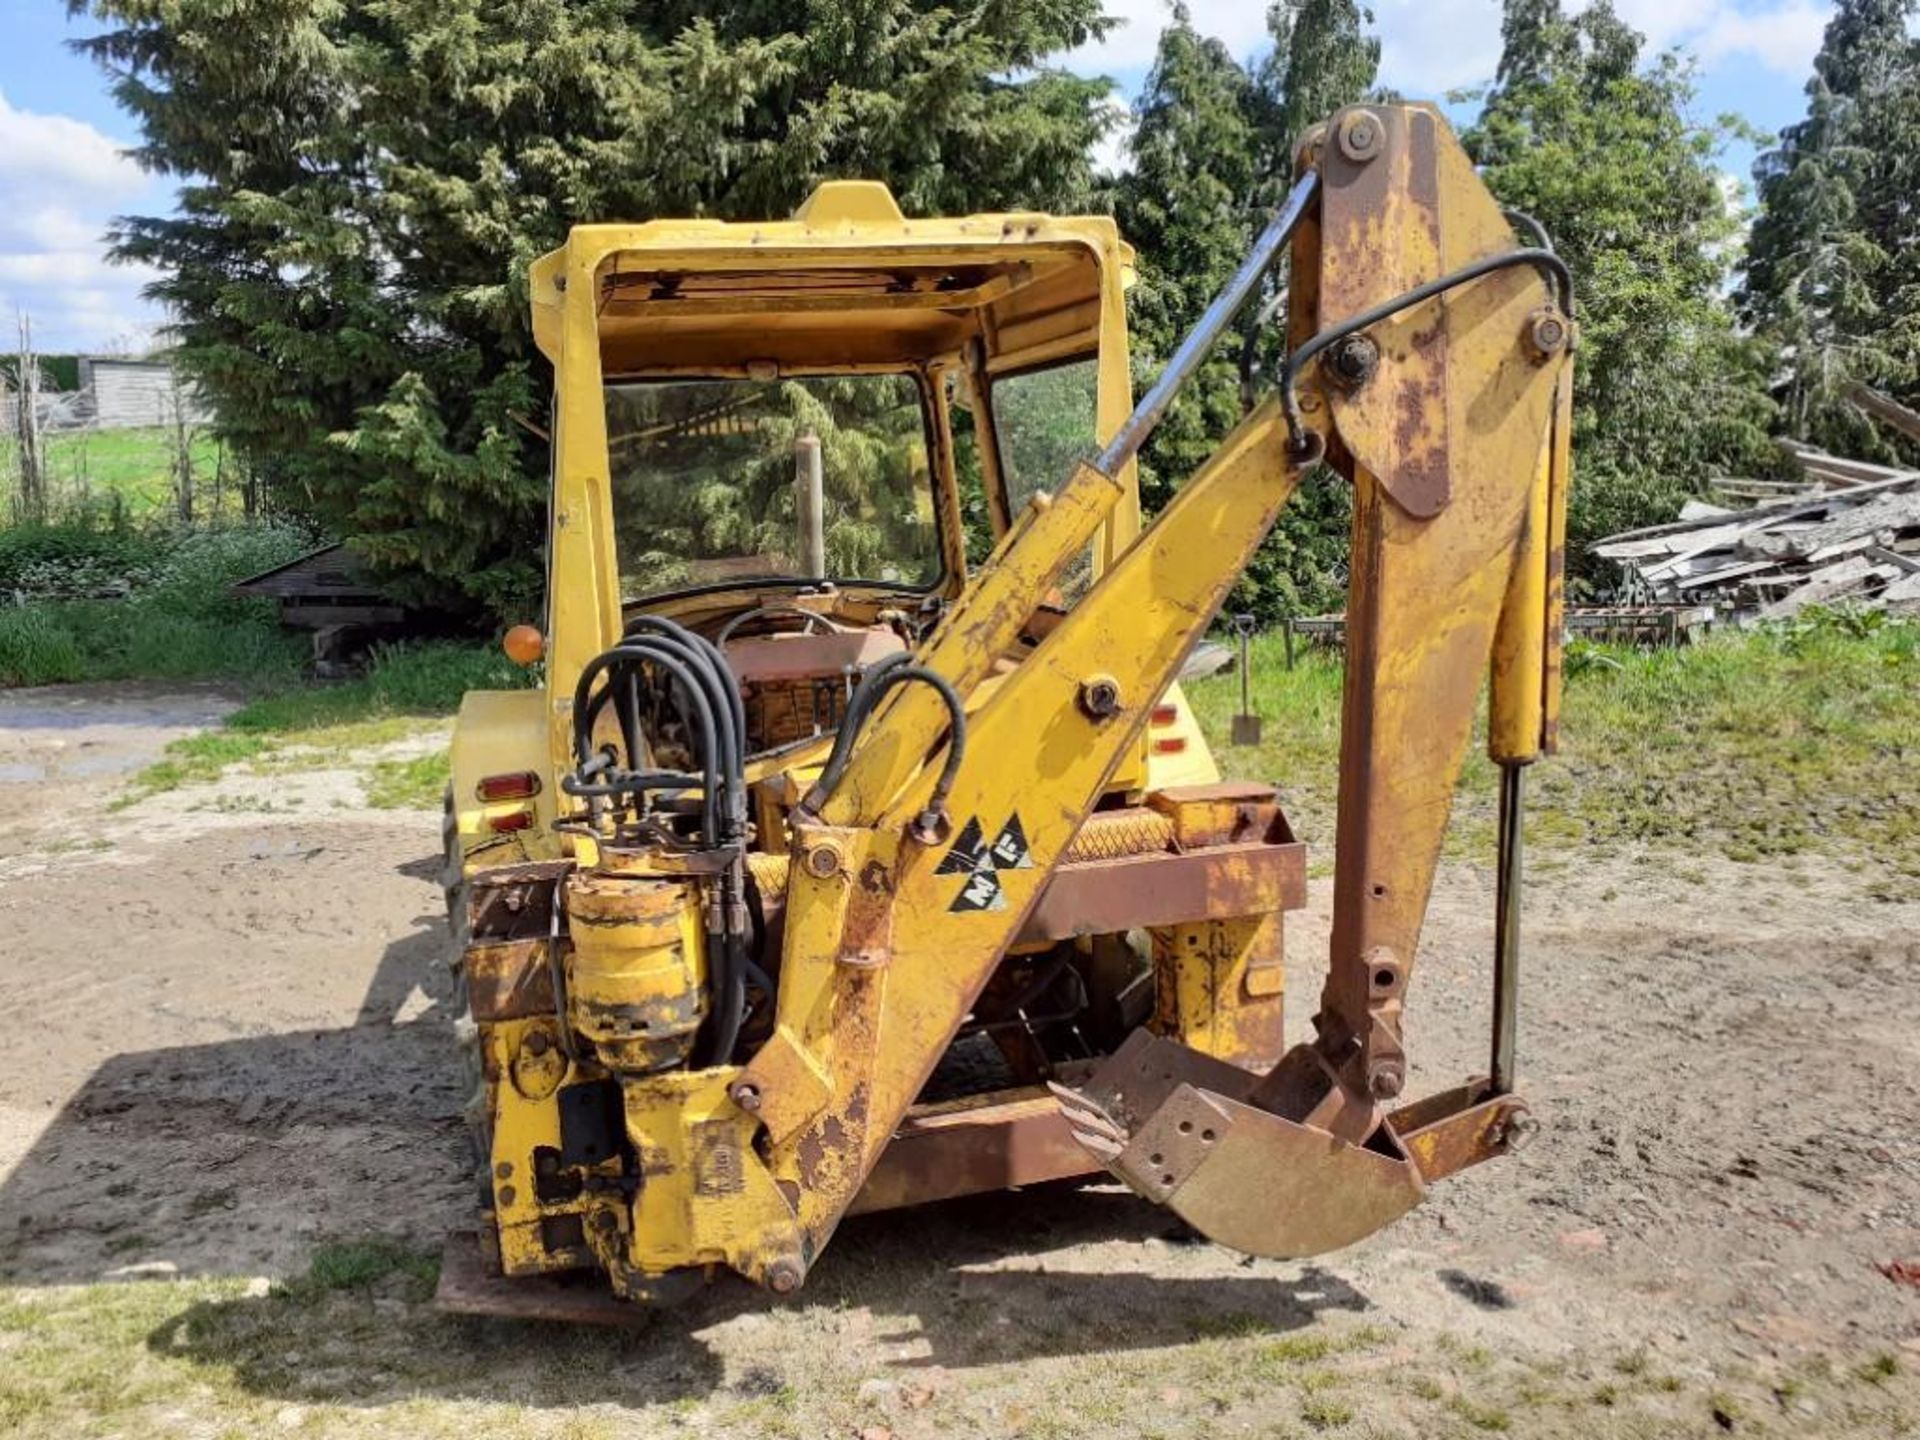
(1849, 534)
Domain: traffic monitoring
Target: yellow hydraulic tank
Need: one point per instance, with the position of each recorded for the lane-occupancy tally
(636, 981)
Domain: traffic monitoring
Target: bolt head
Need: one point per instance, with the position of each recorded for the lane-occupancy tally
(747, 1096)
(1547, 334)
(1518, 1130)
(783, 1277)
(823, 862)
(1353, 359)
(1361, 136)
(1386, 1082)
(1100, 697)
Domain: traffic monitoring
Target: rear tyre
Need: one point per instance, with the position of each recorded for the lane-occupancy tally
(475, 1111)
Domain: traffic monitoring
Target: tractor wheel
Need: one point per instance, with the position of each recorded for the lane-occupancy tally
(466, 1033)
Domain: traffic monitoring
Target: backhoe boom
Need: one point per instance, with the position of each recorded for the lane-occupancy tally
(1448, 439)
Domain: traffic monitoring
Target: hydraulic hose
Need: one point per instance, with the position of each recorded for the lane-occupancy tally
(710, 702)
(702, 720)
(1551, 264)
(878, 681)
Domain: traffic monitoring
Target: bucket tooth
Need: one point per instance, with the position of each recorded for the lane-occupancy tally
(1176, 1127)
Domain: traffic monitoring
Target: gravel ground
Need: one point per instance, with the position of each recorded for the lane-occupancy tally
(234, 1050)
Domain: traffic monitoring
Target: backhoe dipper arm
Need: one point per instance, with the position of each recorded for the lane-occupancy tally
(1448, 416)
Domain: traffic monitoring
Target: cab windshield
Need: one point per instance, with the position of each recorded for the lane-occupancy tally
(709, 481)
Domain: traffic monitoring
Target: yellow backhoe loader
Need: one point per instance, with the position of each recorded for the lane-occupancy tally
(833, 868)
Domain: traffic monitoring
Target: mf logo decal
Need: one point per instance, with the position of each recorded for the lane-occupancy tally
(980, 861)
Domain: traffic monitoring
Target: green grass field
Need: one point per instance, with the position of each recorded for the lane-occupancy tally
(1750, 745)
(91, 467)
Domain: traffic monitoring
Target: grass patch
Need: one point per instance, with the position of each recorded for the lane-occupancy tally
(1880, 1369)
(363, 1265)
(407, 691)
(134, 468)
(119, 604)
(1323, 1412)
(415, 784)
(1755, 744)
(353, 1348)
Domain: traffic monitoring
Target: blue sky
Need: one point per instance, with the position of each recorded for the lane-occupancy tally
(63, 175)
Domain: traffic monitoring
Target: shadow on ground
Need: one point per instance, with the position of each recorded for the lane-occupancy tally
(947, 1288)
(242, 1158)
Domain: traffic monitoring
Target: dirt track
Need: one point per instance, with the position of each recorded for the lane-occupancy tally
(232, 1036)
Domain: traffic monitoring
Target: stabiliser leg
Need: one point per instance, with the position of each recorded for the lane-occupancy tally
(1443, 370)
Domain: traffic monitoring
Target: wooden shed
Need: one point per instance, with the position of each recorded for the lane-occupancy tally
(322, 589)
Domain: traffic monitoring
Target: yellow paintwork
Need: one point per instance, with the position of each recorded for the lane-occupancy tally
(1218, 984)
(1193, 765)
(526, 1120)
(637, 971)
(1427, 590)
(500, 732)
(752, 1168)
(1056, 294)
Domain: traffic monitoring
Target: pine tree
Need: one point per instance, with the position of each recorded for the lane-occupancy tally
(1599, 148)
(1184, 207)
(1213, 154)
(362, 186)
(1331, 61)
(1831, 278)
(1322, 59)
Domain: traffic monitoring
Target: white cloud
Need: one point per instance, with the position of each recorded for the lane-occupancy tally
(1112, 153)
(1242, 24)
(1429, 47)
(1784, 39)
(59, 149)
(61, 182)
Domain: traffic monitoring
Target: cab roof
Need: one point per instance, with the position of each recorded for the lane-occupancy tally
(847, 283)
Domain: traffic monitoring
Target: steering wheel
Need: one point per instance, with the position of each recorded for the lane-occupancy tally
(812, 619)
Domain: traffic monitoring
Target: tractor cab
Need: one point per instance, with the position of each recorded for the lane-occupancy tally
(796, 437)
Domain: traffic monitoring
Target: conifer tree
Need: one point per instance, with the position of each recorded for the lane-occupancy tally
(1597, 144)
(362, 185)
(1831, 277)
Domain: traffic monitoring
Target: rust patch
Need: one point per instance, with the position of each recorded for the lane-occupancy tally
(509, 980)
(993, 1146)
(822, 1153)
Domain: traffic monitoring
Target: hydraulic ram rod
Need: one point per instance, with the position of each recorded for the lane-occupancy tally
(1208, 328)
(1506, 935)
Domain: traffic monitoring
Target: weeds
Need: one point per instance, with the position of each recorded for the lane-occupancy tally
(363, 1265)
(1323, 1412)
(415, 784)
(120, 605)
(1880, 1369)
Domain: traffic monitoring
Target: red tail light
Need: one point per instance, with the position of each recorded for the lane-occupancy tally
(1169, 744)
(513, 820)
(1164, 714)
(521, 785)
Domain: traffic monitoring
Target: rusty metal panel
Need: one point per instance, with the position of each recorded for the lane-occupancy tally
(1229, 812)
(1448, 1132)
(1111, 834)
(513, 902)
(509, 980)
(1104, 897)
(468, 1286)
(990, 1143)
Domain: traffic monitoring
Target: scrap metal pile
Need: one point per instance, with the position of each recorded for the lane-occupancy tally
(1847, 534)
